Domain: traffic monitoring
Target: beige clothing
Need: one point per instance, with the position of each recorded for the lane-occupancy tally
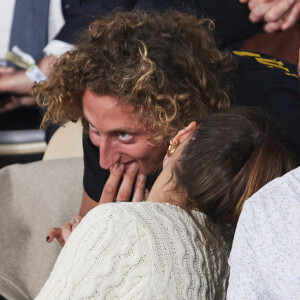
(33, 198)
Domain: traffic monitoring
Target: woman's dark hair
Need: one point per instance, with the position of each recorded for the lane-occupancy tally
(232, 155)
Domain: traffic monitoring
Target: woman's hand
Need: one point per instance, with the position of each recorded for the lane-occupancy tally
(63, 233)
(118, 188)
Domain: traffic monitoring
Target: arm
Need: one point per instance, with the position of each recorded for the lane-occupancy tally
(19, 84)
(244, 270)
(87, 204)
(16, 82)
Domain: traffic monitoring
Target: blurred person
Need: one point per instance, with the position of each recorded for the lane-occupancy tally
(30, 34)
(175, 244)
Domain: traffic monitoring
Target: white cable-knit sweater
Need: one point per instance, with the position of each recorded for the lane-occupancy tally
(141, 251)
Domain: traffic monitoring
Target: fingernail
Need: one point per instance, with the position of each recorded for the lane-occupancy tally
(116, 166)
(142, 178)
(133, 167)
(47, 238)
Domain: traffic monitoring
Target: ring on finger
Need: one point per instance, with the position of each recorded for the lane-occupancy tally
(75, 221)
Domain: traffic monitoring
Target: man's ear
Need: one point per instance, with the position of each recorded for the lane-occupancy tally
(185, 133)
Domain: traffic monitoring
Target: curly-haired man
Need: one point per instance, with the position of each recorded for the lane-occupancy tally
(134, 80)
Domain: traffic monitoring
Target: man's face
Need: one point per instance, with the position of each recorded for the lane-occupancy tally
(121, 138)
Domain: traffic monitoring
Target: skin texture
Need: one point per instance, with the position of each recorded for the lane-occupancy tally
(163, 188)
(121, 138)
(276, 14)
(14, 81)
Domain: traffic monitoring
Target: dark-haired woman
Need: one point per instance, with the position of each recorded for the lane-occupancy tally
(175, 245)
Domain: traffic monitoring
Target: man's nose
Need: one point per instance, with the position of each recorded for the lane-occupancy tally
(108, 155)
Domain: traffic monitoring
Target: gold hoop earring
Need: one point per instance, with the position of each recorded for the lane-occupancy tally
(172, 147)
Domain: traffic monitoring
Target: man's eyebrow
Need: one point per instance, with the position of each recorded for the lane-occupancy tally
(120, 129)
(123, 129)
(126, 129)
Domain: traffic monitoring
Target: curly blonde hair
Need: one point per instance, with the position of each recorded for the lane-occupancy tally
(165, 65)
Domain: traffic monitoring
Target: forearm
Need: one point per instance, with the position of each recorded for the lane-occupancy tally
(86, 205)
(18, 83)
(46, 64)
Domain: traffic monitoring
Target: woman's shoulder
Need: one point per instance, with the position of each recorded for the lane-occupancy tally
(137, 211)
(155, 216)
(161, 223)
(165, 238)
(149, 214)
(168, 222)
(144, 216)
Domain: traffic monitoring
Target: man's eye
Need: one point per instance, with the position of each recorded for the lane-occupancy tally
(93, 128)
(124, 136)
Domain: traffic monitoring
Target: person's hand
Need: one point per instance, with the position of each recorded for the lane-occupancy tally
(15, 101)
(6, 71)
(16, 82)
(276, 14)
(118, 188)
(284, 13)
(62, 234)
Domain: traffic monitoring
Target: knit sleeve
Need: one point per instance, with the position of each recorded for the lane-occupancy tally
(244, 275)
(265, 257)
(105, 257)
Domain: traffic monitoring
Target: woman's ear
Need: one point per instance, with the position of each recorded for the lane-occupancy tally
(185, 133)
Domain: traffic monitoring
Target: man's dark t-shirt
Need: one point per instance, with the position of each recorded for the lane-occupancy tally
(259, 81)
